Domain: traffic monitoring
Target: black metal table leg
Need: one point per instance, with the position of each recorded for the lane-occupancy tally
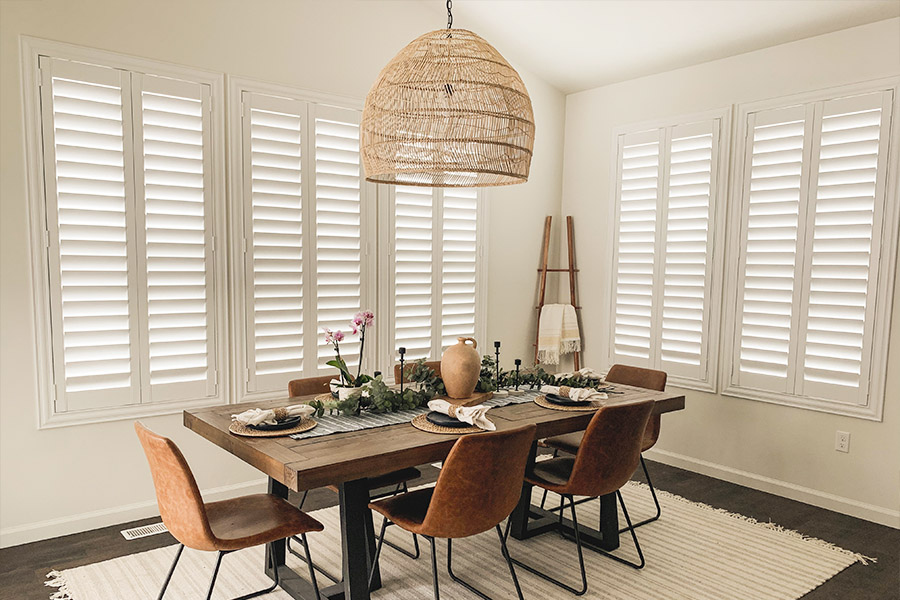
(355, 538)
(609, 522)
(295, 586)
(519, 517)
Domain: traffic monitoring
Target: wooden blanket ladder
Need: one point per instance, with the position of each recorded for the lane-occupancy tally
(543, 270)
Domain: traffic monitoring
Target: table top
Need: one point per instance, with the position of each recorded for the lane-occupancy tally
(332, 459)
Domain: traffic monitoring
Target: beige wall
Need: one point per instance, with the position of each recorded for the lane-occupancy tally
(69, 479)
(783, 450)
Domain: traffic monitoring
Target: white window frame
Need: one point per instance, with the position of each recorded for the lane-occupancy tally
(387, 355)
(238, 281)
(31, 49)
(718, 205)
(886, 269)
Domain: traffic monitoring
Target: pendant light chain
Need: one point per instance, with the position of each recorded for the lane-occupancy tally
(449, 14)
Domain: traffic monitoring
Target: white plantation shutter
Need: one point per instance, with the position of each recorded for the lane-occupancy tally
(640, 175)
(414, 269)
(687, 248)
(172, 175)
(337, 184)
(774, 192)
(90, 207)
(435, 268)
(842, 245)
(459, 262)
(666, 191)
(274, 131)
(131, 270)
(813, 212)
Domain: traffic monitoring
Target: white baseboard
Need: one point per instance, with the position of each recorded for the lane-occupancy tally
(847, 506)
(42, 530)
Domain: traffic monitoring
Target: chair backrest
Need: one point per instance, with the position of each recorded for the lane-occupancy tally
(177, 494)
(645, 378)
(610, 449)
(310, 386)
(434, 365)
(480, 483)
(638, 377)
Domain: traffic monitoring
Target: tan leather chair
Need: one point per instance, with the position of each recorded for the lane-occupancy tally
(398, 480)
(638, 377)
(434, 365)
(310, 386)
(479, 486)
(223, 526)
(607, 456)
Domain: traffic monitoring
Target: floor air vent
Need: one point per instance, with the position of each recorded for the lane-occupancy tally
(145, 531)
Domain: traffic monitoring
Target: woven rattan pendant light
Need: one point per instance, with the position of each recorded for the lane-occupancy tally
(448, 111)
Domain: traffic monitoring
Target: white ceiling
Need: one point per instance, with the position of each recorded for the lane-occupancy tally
(578, 45)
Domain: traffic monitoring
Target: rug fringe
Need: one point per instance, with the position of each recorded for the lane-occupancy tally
(56, 579)
(856, 556)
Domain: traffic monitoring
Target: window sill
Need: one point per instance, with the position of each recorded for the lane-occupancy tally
(122, 413)
(870, 412)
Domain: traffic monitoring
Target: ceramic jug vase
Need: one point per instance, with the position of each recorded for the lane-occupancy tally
(460, 368)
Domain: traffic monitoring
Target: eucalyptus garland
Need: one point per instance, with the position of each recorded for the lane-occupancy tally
(424, 384)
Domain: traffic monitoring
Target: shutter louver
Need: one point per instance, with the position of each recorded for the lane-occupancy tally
(845, 204)
(687, 250)
(814, 200)
(636, 239)
(89, 198)
(459, 260)
(338, 227)
(774, 186)
(174, 183)
(413, 270)
(272, 146)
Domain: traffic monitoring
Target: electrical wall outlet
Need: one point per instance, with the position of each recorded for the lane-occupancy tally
(842, 441)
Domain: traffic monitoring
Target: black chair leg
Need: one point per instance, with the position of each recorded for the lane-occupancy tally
(302, 557)
(303, 499)
(470, 587)
(434, 569)
(417, 553)
(221, 554)
(655, 499)
(171, 572)
(384, 524)
(309, 565)
(580, 559)
(212, 582)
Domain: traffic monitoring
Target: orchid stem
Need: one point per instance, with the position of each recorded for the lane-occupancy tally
(362, 344)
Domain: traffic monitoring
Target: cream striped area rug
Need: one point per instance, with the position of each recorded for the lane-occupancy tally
(693, 552)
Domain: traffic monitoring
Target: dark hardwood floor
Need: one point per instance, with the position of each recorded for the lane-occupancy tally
(23, 568)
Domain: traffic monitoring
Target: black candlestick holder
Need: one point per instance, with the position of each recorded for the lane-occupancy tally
(402, 352)
(518, 364)
(499, 392)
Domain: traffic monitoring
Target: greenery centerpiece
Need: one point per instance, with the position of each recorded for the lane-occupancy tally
(423, 384)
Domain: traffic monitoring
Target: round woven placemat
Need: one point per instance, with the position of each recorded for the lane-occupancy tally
(422, 422)
(240, 429)
(542, 401)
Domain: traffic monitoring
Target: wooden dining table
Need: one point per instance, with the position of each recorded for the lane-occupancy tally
(346, 460)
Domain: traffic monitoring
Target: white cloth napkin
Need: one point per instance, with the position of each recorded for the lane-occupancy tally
(473, 415)
(576, 394)
(586, 372)
(558, 333)
(259, 416)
